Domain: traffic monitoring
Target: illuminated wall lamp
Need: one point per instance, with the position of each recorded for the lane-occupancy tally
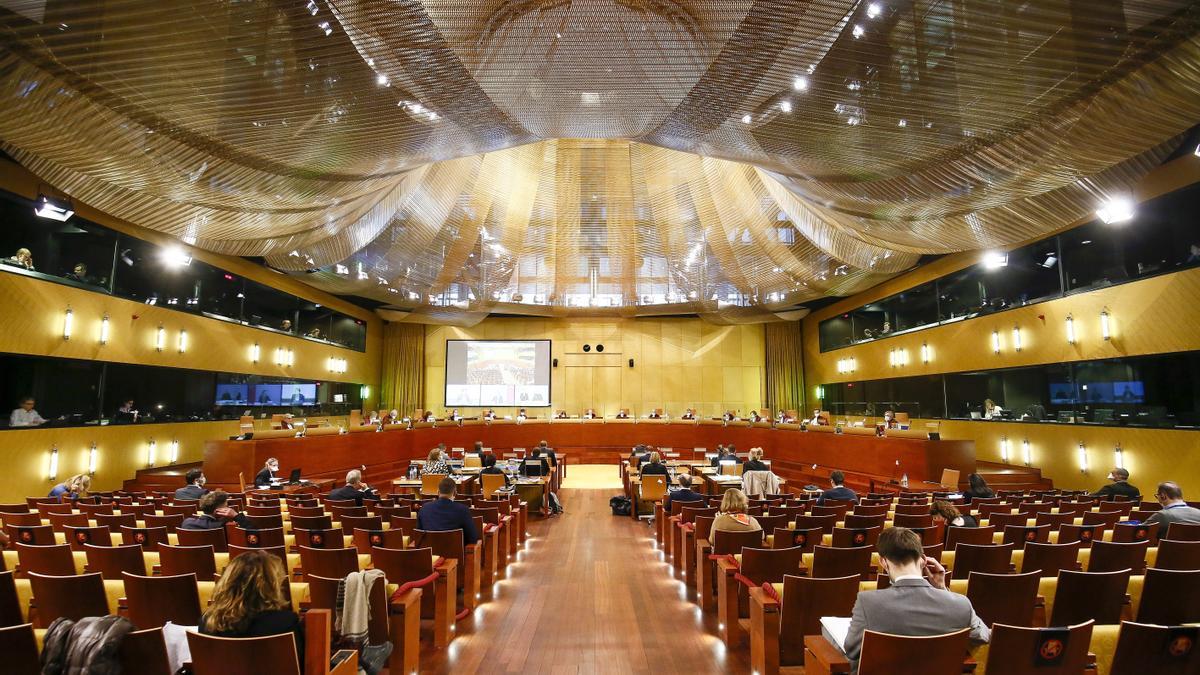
(1026, 452)
(291, 358)
(151, 451)
(255, 352)
(820, 392)
(364, 392)
(1119, 457)
(926, 352)
(279, 356)
(1083, 458)
(1105, 328)
(183, 341)
(92, 457)
(52, 469)
(1070, 329)
(175, 451)
(160, 338)
(68, 321)
(104, 330)
(1016, 338)
(995, 342)
(1004, 449)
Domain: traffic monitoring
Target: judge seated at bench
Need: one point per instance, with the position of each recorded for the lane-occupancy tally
(918, 601)
(730, 416)
(688, 414)
(623, 414)
(560, 414)
(889, 420)
(656, 414)
(589, 414)
(755, 417)
(819, 418)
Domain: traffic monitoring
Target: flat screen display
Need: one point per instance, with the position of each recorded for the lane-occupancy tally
(495, 373)
(233, 394)
(298, 394)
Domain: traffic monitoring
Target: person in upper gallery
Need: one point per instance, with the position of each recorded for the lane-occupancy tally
(436, 463)
(248, 601)
(445, 514)
(548, 452)
(839, 491)
(1119, 487)
(622, 414)
(315, 333)
(267, 474)
(918, 601)
(733, 516)
(24, 415)
(978, 489)
(24, 258)
(889, 420)
(285, 325)
(755, 462)
(543, 467)
(688, 414)
(80, 273)
(75, 487)
(354, 489)
(945, 513)
(489, 466)
(215, 512)
(1174, 509)
(194, 489)
(655, 466)
(991, 411)
(126, 413)
(683, 494)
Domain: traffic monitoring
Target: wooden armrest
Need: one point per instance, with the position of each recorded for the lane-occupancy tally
(759, 597)
(728, 567)
(347, 662)
(826, 654)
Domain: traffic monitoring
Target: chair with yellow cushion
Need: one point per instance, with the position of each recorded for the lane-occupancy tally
(1162, 650)
(1017, 650)
(429, 484)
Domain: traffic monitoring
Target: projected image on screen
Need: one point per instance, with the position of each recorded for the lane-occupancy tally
(497, 373)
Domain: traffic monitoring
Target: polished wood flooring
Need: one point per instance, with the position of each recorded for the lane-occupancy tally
(589, 593)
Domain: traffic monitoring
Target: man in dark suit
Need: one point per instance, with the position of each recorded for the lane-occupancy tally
(548, 453)
(489, 466)
(354, 489)
(683, 494)
(214, 513)
(194, 489)
(838, 491)
(1119, 487)
(445, 514)
(544, 469)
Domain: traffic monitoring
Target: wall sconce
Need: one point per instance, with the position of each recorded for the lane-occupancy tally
(174, 450)
(52, 469)
(1026, 452)
(182, 341)
(1070, 329)
(1105, 329)
(1004, 449)
(1119, 457)
(68, 320)
(820, 392)
(104, 330)
(364, 392)
(254, 352)
(160, 338)
(291, 358)
(92, 453)
(1017, 338)
(995, 342)
(926, 352)
(1083, 458)
(150, 452)
(337, 365)
(279, 356)
(898, 357)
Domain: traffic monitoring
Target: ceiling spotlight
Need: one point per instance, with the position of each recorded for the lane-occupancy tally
(325, 28)
(873, 10)
(994, 260)
(1196, 152)
(54, 209)
(382, 80)
(858, 31)
(176, 257)
(902, 123)
(785, 106)
(800, 83)
(746, 119)
(1116, 210)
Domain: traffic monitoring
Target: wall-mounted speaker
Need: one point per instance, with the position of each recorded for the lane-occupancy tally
(554, 363)
(599, 348)
(587, 348)
(630, 363)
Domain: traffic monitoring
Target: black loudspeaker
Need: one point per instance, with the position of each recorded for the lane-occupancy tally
(630, 363)
(599, 348)
(554, 363)
(587, 348)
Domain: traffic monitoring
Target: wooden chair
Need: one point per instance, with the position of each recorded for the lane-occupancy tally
(1050, 558)
(1106, 520)
(492, 482)
(266, 522)
(1016, 650)
(115, 522)
(404, 634)
(327, 538)
(913, 509)
(245, 656)
(804, 601)
(1178, 555)
(317, 522)
(153, 601)
(55, 560)
(414, 568)
(365, 540)
(74, 597)
(830, 562)
(449, 545)
(255, 538)
(59, 520)
(277, 551)
(653, 488)
(25, 519)
(112, 561)
(909, 655)
(844, 537)
(1127, 532)
(144, 651)
(1110, 556)
(48, 507)
(170, 521)
(20, 650)
(805, 539)
(826, 523)
(855, 521)
(1162, 650)
(1079, 596)
(1183, 532)
(147, 537)
(10, 603)
(33, 535)
(831, 507)
(1170, 597)
(864, 509)
(328, 562)
(1004, 598)
(179, 560)
(911, 520)
(1054, 520)
(991, 559)
(340, 511)
(429, 484)
(758, 566)
(352, 523)
(1084, 534)
(214, 538)
(1019, 535)
(78, 536)
(305, 511)
(977, 536)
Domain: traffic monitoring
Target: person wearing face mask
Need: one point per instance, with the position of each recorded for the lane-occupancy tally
(270, 468)
(194, 489)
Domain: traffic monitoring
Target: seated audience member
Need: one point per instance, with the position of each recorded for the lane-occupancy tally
(1174, 509)
(354, 489)
(194, 489)
(80, 273)
(732, 516)
(436, 463)
(477, 449)
(655, 466)
(918, 601)
(248, 601)
(270, 468)
(688, 414)
(75, 487)
(548, 453)
(683, 494)
(978, 489)
(489, 466)
(1119, 487)
(839, 491)
(285, 422)
(716, 459)
(215, 512)
(24, 258)
(622, 414)
(24, 415)
(944, 513)
(445, 514)
(755, 462)
(543, 466)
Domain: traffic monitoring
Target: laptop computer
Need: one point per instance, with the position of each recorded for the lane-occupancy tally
(294, 477)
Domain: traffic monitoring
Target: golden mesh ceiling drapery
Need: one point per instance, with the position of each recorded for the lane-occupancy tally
(745, 155)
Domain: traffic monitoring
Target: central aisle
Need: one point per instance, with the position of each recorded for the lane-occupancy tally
(588, 594)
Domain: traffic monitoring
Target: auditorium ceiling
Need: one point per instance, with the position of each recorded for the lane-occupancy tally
(728, 158)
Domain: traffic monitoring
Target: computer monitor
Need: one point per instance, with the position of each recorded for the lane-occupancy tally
(533, 467)
(294, 477)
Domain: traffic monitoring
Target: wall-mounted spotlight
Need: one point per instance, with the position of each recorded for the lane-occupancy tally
(1105, 327)
(53, 208)
(160, 338)
(104, 330)
(52, 468)
(151, 450)
(1026, 452)
(995, 342)
(255, 352)
(1004, 449)
(994, 260)
(280, 356)
(1083, 458)
(183, 341)
(1070, 329)
(174, 450)
(92, 457)
(1016, 338)
(291, 358)
(1116, 210)
(820, 392)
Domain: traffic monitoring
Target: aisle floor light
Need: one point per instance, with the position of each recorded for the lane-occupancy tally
(92, 459)
(175, 451)
(1004, 449)
(1119, 457)
(68, 321)
(104, 330)
(160, 338)
(1026, 452)
(1070, 329)
(52, 470)
(1105, 331)
(995, 342)
(1016, 338)
(183, 341)
(1083, 458)
(150, 452)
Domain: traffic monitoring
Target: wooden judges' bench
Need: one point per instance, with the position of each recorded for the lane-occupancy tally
(792, 452)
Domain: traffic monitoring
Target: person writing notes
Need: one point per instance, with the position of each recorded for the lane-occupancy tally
(24, 415)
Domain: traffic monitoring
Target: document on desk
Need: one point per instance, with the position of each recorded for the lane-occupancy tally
(835, 628)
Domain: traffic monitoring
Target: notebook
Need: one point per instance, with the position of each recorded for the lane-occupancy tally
(835, 628)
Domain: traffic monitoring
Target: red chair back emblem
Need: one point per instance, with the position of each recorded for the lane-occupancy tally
(316, 539)
(83, 536)
(251, 539)
(25, 535)
(1030, 535)
(1050, 649)
(800, 539)
(1181, 646)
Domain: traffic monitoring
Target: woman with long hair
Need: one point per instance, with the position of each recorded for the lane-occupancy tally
(75, 487)
(946, 513)
(979, 489)
(248, 601)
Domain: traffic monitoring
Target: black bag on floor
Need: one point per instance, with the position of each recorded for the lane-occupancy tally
(621, 506)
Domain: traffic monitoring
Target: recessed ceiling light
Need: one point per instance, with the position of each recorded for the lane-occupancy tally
(800, 83)
(993, 260)
(873, 10)
(746, 119)
(1116, 210)
(381, 80)
(858, 31)
(785, 106)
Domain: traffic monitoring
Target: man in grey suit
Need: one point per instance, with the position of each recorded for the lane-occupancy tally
(914, 604)
(1174, 509)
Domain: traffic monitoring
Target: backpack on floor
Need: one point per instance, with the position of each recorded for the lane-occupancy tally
(555, 504)
(621, 506)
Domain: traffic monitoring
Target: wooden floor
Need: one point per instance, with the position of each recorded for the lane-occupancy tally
(589, 594)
